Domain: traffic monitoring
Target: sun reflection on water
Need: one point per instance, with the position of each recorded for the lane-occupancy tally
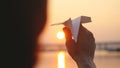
(61, 59)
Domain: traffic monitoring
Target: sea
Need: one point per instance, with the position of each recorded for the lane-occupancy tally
(102, 59)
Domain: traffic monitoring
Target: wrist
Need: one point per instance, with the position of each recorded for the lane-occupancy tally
(85, 63)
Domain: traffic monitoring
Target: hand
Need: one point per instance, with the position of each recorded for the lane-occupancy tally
(83, 50)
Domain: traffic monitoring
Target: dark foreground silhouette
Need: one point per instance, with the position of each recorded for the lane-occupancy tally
(21, 23)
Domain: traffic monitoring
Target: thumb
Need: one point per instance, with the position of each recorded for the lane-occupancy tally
(68, 34)
(69, 41)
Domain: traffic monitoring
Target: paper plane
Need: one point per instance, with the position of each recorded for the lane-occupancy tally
(74, 25)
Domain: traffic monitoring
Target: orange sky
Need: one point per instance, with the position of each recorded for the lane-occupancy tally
(105, 16)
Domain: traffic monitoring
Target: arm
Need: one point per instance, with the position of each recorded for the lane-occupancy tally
(81, 52)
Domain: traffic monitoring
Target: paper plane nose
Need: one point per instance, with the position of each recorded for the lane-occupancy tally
(57, 24)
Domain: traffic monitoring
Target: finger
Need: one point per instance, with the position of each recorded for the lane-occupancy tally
(81, 34)
(82, 28)
(84, 35)
(69, 41)
(68, 34)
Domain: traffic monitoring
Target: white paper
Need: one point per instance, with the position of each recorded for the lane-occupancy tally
(75, 27)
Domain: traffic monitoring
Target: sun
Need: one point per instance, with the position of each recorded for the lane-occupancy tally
(60, 35)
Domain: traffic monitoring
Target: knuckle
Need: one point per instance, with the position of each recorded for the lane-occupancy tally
(89, 33)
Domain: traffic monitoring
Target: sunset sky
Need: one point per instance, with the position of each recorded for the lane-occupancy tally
(105, 15)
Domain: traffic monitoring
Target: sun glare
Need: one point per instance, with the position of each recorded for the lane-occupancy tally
(60, 35)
